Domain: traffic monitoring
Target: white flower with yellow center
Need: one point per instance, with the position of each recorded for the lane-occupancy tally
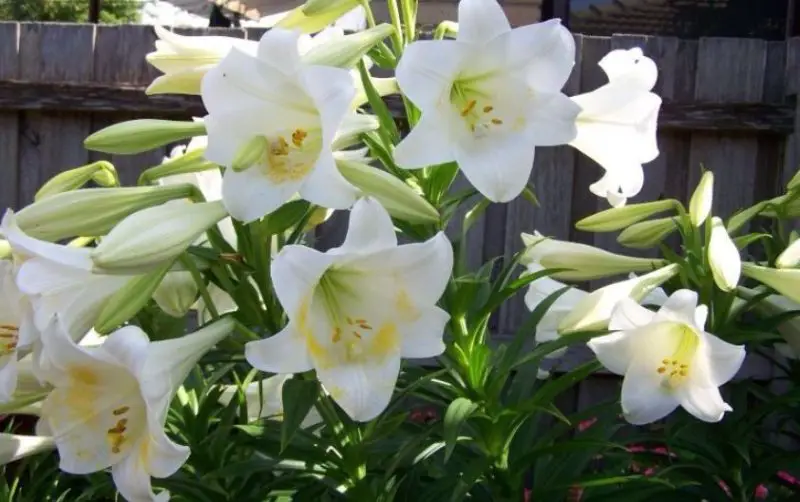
(617, 124)
(17, 329)
(110, 401)
(264, 399)
(356, 310)
(488, 98)
(668, 359)
(285, 114)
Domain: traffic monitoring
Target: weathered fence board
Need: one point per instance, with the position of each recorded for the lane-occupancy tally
(9, 120)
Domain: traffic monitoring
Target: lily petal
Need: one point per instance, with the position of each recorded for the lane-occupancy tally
(284, 352)
(423, 337)
(426, 145)
(427, 69)
(629, 315)
(325, 185)
(295, 273)
(480, 21)
(370, 229)
(614, 351)
(248, 195)
(362, 390)
(643, 399)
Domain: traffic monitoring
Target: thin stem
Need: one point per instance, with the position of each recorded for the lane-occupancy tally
(201, 285)
(397, 35)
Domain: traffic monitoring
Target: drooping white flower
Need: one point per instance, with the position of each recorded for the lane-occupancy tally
(356, 310)
(488, 98)
(617, 124)
(265, 400)
(668, 359)
(723, 257)
(109, 403)
(17, 329)
(289, 113)
(14, 447)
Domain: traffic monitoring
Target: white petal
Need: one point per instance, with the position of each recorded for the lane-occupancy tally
(723, 257)
(8, 376)
(362, 390)
(630, 66)
(332, 91)
(296, 270)
(128, 345)
(279, 48)
(657, 297)
(629, 315)
(498, 165)
(284, 352)
(370, 229)
(680, 307)
(248, 195)
(643, 398)
(479, 21)
(423, 337)
(700, 316)
(614, 351)
(26, 245)
(724, 359)
(427, 69)
(162, 457)
(551, 121)
(547, 52)
(427, 144)
(325, 186)
(132, 480)
(705, 403)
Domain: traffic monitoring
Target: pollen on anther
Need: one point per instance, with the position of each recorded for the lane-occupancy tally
(364, 326)
(684, 365)
(349, 320)
(683, 373)
(488, 108)
(497, 121)
(115, 449)
(470, 105)
(121, 411)
(357, 334)
(298, 136)
(337, 335)
(674, 361)
(665, 361)
(662, 369)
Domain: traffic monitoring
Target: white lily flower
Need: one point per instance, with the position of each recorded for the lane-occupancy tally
(291, 112)
(18, 330)
(15, 447)
(581, 261)
(488, 98)
(265, 400)
(617, 124)
(785, 281)
(109, 403)
(356, 310)
(723, 257)
(790, 257)
(668, 359)
(595, 309)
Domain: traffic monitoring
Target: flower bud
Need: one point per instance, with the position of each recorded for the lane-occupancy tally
(92, 211)
(399, 199)
(190, 162)
(153, 236)
(621, 217)
(794, 182)
(785, 281)
(594, 310)
(790, 256)
(582, 261)
(176, 294)
(647, 234)
(702, 199)
(347, 51)
(315, 15)
(141, 135)
(723, 257)
(5, 249)
(101, 172)
(129, 300)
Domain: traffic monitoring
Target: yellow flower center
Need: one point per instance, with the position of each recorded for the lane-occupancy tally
(116, 435)
(289, 157)
(477, 110)
(9, 337)
(676, 367)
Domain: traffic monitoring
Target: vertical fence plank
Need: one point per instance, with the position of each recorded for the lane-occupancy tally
(552, 179)
(728, 70)
(769, 163)
(119, 58)
(9, 120)
(52, 141)
(792, 86)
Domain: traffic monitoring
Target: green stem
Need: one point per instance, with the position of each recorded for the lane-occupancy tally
(201, 285)
(397, 35)
(408, 8)
(368, 13)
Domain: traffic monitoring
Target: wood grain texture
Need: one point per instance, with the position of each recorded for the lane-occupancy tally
(52, 141)
(9, 120)
(792, 84)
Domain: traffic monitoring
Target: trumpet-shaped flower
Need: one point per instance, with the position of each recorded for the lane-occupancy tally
(285, 114)
(264, 399)
(17, 329)
(668, 359)
(580, 261)
(488, 98)
(617, 124)
(356, 310)
(723, 257)
(109, 403)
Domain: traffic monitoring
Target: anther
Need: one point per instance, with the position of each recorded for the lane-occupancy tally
(662, 369)
(337, 335)
(497, 121)
(487, 109)
(121, 411)
(470, 105)
(298, 136)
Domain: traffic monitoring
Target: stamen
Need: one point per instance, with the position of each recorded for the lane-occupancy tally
(357, 334)
(470, 105)
(337, 335)
(496, 121)
(298, 136)
(665, 361)
(662, 369)
(364, 326)
(121, 411)
(487, 109)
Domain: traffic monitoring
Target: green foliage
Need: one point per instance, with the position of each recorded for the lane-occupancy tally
(75, 11)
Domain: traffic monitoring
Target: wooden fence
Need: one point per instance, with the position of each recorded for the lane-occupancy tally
(729, 104)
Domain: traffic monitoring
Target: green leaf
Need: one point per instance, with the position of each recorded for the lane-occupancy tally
(299, 397)
(388, 131)
(455, 416)
(285, 217)
(548, 392)
(745, 240)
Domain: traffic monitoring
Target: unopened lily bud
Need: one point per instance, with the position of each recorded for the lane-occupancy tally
(702, 199)
(148, 238)
(383, 86)
(790, 257)
(647, 234)
(621, 217)
(101, 172)
(141, 135)
(129, 300)
(399, 199)
(92, 211)
(446, 29)
(794, 182)
(5, 249)
(785, 281)
(723, 257)
(347, 51)
(318, 217)
(315, 15)
(594, 310)
(582, 262)
(176, 294)
(190, 162)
